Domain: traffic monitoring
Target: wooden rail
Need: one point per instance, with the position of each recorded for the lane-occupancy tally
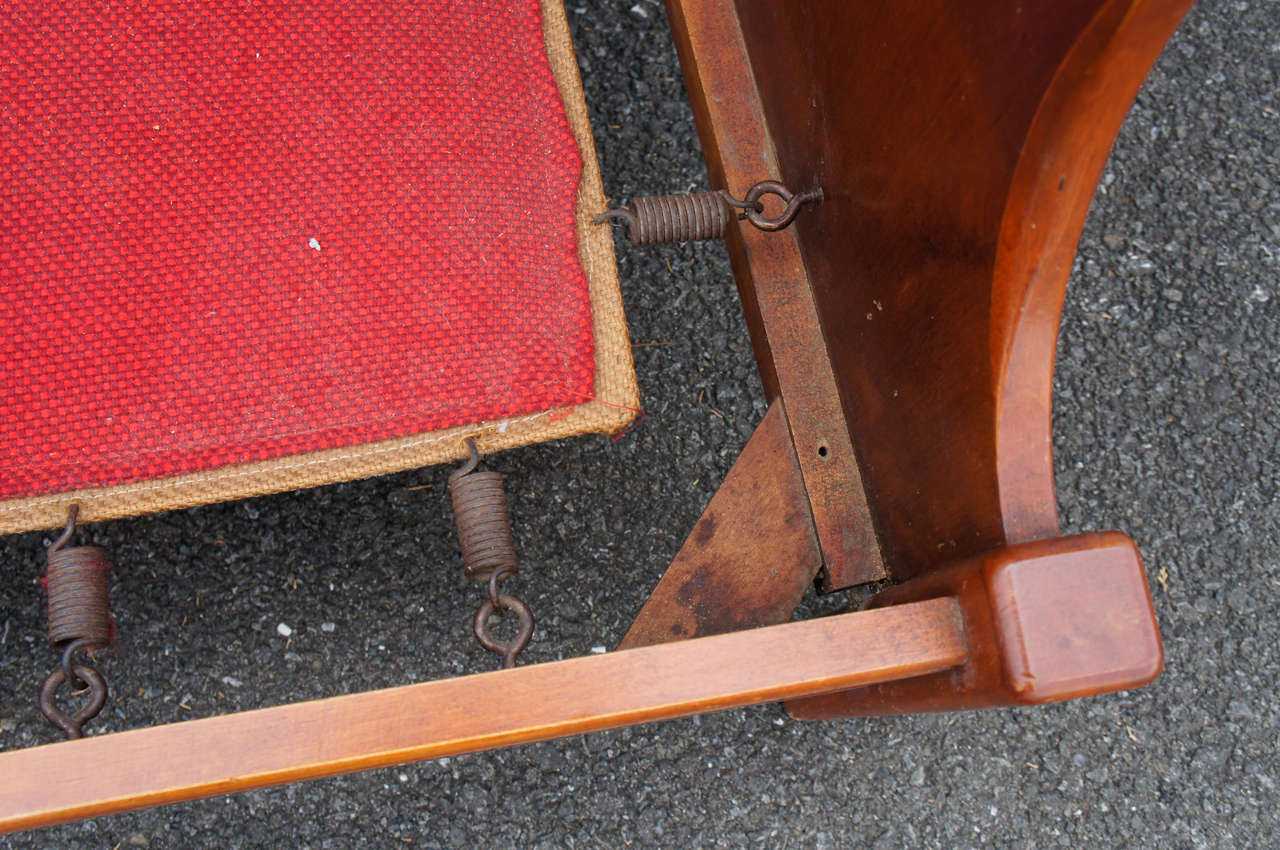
(45, 785)
(775, 288)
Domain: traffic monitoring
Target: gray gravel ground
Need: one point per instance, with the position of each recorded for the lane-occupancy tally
(1167, 428)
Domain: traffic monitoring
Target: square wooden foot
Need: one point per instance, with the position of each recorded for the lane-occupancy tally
(1045, 621)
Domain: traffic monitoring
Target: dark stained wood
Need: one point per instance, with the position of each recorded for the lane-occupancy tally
(774, 284)
(958, 146)
(1045, 621)
(147, 767)
(751, 556)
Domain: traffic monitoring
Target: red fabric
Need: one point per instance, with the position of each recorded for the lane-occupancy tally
(166, 168)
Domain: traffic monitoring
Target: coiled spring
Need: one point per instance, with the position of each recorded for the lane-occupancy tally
(79, 619)
(657, 219)
(484, 528)
(79, 610)
(488, 552)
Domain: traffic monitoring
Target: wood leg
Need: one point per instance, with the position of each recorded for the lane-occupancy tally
(958, 147)
(1045, 621)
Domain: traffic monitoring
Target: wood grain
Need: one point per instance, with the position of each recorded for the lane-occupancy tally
(234, 752)
(1046, 621)
(774, 284)
(751, 556)
(958, 145)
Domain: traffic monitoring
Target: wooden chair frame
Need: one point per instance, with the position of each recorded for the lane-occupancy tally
(905, 332)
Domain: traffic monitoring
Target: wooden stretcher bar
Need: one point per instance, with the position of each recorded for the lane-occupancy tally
(218, 755)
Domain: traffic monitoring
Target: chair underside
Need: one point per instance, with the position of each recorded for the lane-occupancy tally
(904, 329)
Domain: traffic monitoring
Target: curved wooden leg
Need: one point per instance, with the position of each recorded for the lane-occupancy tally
(958, 147)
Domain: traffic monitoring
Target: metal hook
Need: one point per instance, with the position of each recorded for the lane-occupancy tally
(470, 465)
(793, 201)
(73, 513)
(497, 576)
(72, 724)
(88, 645)
(507, 649)
(620, 214)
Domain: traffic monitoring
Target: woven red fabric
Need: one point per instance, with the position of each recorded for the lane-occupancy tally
(238, 231)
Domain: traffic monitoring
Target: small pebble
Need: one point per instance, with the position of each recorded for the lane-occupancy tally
(328, 627)
(284, 630)
(231, 681)
(917, 776)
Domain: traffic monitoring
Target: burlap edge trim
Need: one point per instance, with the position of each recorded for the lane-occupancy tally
(616, 390)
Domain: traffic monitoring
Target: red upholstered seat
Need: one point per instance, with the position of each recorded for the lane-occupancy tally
(239, 231)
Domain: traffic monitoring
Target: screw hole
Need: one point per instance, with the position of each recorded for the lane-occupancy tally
(822, 451)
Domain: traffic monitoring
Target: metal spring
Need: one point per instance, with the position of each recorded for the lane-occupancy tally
(79, 619)
(654, 219)
(484, 527)
(76, 582)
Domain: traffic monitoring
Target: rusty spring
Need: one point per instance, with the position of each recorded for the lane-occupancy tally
(79, 619)
(488, 552)
(658, 219)
(484, 528)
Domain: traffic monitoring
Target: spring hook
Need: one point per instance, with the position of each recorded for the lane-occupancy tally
(499, 603)
(690, 217)
(78, 620)
(488, 552)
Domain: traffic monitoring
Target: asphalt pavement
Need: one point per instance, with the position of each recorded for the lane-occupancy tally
(1167, 427)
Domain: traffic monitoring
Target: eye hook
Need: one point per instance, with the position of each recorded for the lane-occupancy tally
(792, 200)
